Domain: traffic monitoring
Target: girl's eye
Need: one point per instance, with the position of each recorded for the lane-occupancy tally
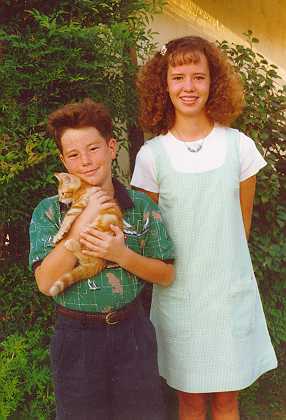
(92, 148)
(74, 155)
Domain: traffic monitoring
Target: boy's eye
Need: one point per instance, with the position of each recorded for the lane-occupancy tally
(93, 148)
(73, 155)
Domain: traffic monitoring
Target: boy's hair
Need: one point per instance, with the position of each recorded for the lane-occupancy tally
(226, 98)
(78, 115)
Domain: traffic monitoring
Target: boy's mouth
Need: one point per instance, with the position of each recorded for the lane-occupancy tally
(91, 172)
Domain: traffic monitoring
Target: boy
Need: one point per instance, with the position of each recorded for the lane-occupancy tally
(103, 350)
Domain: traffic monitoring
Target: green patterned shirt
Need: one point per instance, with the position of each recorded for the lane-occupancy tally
(114, 287)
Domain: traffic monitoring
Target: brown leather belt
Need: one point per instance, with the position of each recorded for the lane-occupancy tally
(108, 318)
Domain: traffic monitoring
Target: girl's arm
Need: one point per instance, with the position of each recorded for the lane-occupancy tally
(247, 193)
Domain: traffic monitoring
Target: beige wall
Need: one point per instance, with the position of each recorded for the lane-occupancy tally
(228, 19)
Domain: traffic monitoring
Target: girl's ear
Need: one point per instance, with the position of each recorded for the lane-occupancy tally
(166, 81)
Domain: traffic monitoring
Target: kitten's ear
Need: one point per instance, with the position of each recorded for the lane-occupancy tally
(66, 178)
(73, 179)
(60, 175)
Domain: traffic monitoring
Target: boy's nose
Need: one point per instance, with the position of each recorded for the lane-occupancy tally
(85, 159)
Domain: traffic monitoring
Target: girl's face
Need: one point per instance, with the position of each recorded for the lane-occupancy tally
(188, 86)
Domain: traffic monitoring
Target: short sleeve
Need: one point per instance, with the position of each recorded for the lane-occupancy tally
(44, 225)
(144, 175)
(157, 243)
(251, 160)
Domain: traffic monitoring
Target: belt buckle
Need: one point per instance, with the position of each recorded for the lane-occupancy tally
(108, 319)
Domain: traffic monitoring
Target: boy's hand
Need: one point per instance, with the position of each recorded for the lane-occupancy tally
(97, 201)
(104, 245)
(113, 248)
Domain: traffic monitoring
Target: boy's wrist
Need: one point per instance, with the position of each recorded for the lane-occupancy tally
(124, 257)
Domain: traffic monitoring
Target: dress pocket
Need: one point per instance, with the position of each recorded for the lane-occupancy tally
(243, 301)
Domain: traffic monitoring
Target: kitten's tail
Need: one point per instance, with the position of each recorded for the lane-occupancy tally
(78, 273)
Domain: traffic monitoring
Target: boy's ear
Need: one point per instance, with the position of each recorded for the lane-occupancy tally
(112, 146)
(62, 160)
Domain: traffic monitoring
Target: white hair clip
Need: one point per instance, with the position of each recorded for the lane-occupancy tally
(163, 50)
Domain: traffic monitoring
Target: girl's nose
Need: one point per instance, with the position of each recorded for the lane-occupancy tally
(189, 85)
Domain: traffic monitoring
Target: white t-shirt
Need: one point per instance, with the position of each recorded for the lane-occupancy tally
(211, 156)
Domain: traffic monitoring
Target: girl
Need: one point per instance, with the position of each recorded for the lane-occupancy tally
(211, 330)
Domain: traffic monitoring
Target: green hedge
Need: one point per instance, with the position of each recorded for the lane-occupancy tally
(51, 53)
(264, 120)
(59, 51)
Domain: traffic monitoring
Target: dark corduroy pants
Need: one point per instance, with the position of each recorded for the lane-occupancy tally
(106, 372)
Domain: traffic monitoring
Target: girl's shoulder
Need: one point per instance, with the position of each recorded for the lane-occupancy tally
(229, 132)
(243, 141)
(236, 133)
(155, 145)
(250, 157)
(153, 141)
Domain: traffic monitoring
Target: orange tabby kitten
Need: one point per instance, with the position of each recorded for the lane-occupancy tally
(75, 191)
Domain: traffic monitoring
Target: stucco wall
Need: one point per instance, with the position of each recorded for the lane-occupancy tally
(228, 19)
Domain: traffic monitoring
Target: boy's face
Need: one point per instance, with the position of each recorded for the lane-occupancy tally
(88, 155)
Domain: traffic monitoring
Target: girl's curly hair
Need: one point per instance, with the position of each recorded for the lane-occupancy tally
(226, 98)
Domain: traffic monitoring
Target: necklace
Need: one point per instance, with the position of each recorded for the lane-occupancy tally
(195, 148)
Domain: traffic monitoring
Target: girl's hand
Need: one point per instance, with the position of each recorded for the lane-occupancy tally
(104, 245)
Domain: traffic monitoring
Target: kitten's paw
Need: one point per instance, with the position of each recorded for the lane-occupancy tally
(57, 288)
(72, 245)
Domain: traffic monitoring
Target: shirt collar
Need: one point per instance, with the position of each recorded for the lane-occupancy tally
(121, 195)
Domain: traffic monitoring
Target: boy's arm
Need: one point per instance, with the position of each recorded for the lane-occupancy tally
(55, 264)
(154, 196)
(59, 260)
(113, 248)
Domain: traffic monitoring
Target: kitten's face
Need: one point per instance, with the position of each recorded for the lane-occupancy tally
(68, 184)
(88, 155)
